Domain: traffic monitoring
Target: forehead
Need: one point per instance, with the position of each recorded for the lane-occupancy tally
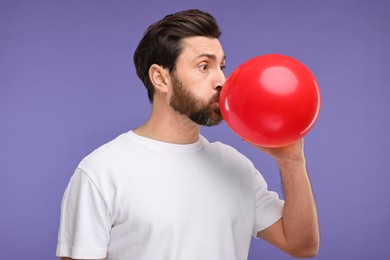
(197, 46)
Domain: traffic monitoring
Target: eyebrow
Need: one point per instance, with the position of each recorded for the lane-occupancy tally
(210, 56)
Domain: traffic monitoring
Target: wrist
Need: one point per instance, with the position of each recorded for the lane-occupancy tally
(292, 163)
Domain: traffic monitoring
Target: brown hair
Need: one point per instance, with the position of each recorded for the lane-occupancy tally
(161, 42)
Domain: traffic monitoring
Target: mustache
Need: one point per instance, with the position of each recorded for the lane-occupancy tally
(215, 97)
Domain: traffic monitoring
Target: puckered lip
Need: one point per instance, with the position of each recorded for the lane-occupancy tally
(215, 98)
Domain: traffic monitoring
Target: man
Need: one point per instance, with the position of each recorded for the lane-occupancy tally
(162, 191)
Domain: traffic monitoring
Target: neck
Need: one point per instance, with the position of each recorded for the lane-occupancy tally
(169, 126)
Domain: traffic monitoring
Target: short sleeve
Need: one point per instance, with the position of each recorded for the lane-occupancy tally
(85, 220)
(269, 207)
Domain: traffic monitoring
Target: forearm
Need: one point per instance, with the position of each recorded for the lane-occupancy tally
(300, 220)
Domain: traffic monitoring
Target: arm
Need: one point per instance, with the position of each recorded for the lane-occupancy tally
(85, 220)
(297, 232)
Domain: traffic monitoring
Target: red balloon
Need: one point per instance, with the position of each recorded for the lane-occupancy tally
(270, 100)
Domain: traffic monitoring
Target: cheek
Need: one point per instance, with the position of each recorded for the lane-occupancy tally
(201, 91)
(201, 88)
(199, 85)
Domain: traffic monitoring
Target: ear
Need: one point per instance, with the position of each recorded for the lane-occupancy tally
(158, 75)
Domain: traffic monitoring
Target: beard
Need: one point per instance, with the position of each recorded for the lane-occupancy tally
(186, 103)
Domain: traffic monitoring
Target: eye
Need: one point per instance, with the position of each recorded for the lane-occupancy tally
(223, 67)
(203, 67)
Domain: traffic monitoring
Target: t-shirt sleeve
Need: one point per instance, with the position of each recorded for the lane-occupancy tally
(85, 220)
(269, 207)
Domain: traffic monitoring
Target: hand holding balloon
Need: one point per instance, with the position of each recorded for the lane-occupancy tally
(271, 100)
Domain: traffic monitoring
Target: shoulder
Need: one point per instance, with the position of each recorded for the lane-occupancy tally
(223, 149)
(106, 155)
(227, 153)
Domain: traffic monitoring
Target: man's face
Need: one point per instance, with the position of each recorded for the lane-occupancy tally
(198, 79)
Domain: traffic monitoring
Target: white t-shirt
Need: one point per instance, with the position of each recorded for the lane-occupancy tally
(136, 198)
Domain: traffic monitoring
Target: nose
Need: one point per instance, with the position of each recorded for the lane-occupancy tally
(220, 80)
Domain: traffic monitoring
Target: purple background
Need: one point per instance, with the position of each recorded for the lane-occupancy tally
(67, 85)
